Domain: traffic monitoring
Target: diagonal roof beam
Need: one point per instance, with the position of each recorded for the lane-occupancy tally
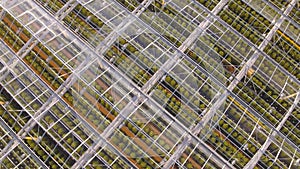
(130, 105)
(167, 66)
(242, 73)
(254, 160)
(24, 146)
(66, 9)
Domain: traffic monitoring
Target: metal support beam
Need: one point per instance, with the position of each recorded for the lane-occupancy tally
(104, 45)
(2, 14)
(31, 43)
(12, 144)
(112, 37)
(264, 147)
(33, 121)
(104, 64)
(241, 74)
(108, 131)
(24, 146)
(7, 66)
(66, 9)
(202, 27)
(223, 97)
(267, 143)
(167, 66)
(46, 106)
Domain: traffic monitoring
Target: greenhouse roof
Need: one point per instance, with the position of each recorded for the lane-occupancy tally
(149, 84)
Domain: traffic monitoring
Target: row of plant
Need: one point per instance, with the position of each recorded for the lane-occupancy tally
(285, 62)
(47, 74)
(238, 136)
(38, 58)
(10, 38)
(88, 26)
(261, 24)
(54, 62)
(125, 60)
(11, 114)
(227, 141)
(231, 138)
(130, 5)
(129, 132)
(82, 22)
(144, 135)
(197, 159)
(19, 159)
(204, 57)
(48, 149)
(255, 20)
(91, 113)
(266, 102)
(170, 24)
(271, 152)
(135, 130)
(86, 19)
(280, 4)
(5, 137)
(284, 54)
(61, 132)
(135, 150)
(228, 150)
(173, 99)
(210, 4)
(172, 82)
(52, 6)
(68, 141)
(68, 98)
(241, 26)
(14, 120)
(287, 46)
(271, 93)
(295, 13)
(191, 11)
(110, 157)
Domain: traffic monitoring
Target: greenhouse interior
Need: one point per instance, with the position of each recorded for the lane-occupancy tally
(211, 84)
